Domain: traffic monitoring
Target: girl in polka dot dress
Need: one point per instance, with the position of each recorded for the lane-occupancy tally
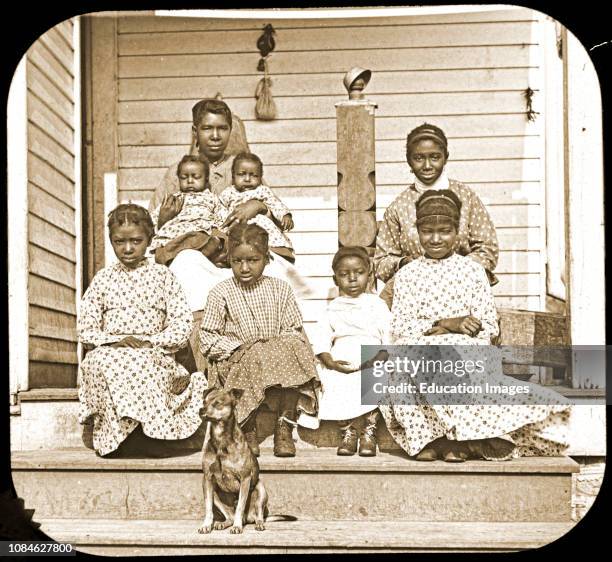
(397, 242)
(133, 318)
(251, 333)
(444, 299)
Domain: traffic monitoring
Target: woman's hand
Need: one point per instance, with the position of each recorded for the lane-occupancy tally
(170, 207)
(287, 222)
(244, 212)
(468, 325)
(340, 366)
(132, 342)
(436, 331)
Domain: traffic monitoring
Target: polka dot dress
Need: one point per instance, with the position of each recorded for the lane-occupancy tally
(427, 290)
(123, 387)
(398, 236)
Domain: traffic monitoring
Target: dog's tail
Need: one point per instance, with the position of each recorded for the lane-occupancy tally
(280, 517)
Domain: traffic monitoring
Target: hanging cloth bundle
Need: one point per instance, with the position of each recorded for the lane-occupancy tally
(265, 108)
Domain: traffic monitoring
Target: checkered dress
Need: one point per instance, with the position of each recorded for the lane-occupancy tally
(253, 339)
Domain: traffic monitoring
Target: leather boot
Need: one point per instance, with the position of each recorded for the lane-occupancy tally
(283, 437)
(348, 447)
(367, 440)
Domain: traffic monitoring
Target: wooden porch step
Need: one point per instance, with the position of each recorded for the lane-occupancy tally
(165, 537)
(76, 483)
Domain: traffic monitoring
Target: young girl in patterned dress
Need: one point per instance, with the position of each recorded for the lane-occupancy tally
(133, 318)
(251, 332)
(444, 299)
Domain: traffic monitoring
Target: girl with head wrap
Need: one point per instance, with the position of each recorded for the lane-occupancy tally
(397, 242)
(444, 299)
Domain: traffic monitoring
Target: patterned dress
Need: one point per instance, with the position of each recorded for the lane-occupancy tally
(253, 338)
(427, 290)
(348, 323)
(398, 236)
(122, 387)
(231, 198)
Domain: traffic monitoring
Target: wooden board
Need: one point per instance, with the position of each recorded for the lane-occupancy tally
(52, 267)
(44, 59)
(47, 148)
(155, 132)
(48, 294)
(45, 177)
(322, 84)
(52, 210)
(44, 117)
(41, 233)
(48, 91)
(146, 24)
(53, 351)
(315, 107)
(313, 39)
(52, 324)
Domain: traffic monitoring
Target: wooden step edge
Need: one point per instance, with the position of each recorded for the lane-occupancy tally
(49, 394)
(306, 460)
(313, 535)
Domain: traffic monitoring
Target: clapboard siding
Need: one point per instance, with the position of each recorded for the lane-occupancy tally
(51, 204)
(465, 72)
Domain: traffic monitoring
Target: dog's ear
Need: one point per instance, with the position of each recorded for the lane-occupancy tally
(236, 393)
(207, 394)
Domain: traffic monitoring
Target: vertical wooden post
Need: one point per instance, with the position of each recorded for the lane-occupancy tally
(356, 171)
(100, 150)
(584, 196)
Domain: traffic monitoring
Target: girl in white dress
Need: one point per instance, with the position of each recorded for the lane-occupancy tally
(353, 319)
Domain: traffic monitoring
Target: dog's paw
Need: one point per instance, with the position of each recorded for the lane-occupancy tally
(259, 526)
(205, 529)
(220, 525)
(236, 530)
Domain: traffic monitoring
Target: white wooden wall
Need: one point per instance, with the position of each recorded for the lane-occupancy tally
(463, 72)
(52, 244)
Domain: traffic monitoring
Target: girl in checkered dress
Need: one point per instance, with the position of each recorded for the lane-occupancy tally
(251, 332)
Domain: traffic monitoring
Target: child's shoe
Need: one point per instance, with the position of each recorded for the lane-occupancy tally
(367, 440)
(283, 438)
(348, 447)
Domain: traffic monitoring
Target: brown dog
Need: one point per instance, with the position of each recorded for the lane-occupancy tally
(231, 472)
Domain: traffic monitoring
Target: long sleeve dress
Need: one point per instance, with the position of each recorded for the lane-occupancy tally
(264, 321)
(427, 290)
(348, 324)
(122, 387)
(398, 237)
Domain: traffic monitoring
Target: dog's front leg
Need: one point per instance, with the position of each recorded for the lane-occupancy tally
(225, 510)
(245, 487)
(207, 524)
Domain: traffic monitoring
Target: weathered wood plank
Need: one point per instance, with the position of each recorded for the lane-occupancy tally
(237, 64)
(47, 148)
(314, 39)
(56, 45)
(53, 350)
(52, 324)
(317, 197)
(47, 294)
(45, 176)
(40, 55)
(459, 103)
(57, 99)
(145, 24)
(44, 118)
(46, 235)
(308, 152)
(52, 375)
(383, 82)
(51, 209)
(65, 29)
(469, 172)
(52, 267)
(324, 130)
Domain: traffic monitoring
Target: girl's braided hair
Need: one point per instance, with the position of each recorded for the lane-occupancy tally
(130, 213)
(251, 234)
